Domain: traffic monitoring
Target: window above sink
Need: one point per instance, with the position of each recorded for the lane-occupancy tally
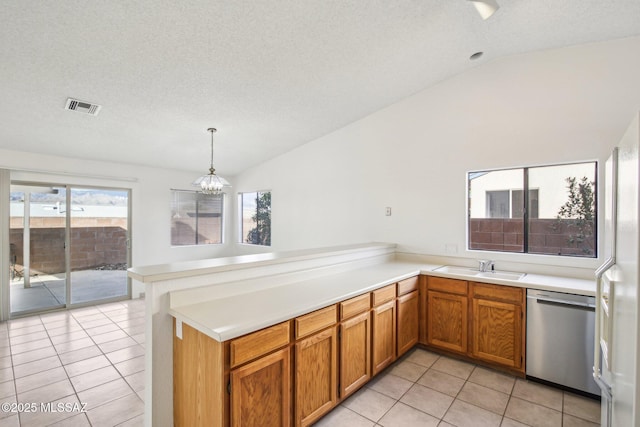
(546, 210)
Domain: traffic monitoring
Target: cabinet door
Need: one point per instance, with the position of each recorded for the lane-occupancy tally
(497, 332)
(316, 376)
(355, 353)
(261, 392)
(383, 336)
(447, 321)
(407, 322)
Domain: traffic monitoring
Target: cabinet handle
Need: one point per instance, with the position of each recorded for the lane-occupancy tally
(568, 304)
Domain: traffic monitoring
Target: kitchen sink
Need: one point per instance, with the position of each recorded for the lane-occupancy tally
(466, 271)
(502, 275)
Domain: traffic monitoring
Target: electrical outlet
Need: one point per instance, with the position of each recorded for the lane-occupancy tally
(388, 211)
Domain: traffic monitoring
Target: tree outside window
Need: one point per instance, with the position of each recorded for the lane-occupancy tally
(256, 218)
(578, 215)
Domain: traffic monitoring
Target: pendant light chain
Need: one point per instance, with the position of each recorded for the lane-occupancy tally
(211, 184)
(212, 130)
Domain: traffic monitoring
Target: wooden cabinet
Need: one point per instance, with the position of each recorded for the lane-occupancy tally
(258, 343)
(408, 285)
(353, 306)
(423, 307)
(355, 352)
(199, 382)
(261, 392)
(294, 372)
(315, 321)
(482, 321)
(408, 313)
(497, 334)
(383, 336)
(242, 382)
(447, 314)
(316, 367)
(382, 295)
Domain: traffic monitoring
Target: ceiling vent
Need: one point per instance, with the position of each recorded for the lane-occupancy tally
(82, 107)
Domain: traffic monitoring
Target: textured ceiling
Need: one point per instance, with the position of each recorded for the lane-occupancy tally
(270, 75)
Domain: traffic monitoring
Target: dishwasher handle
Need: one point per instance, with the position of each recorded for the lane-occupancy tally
(565, 303)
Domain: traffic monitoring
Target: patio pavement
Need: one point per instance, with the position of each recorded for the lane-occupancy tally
(48, 291)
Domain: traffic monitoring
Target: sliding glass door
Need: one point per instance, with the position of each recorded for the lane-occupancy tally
(37, 248)
(98, 244)
(68, 246)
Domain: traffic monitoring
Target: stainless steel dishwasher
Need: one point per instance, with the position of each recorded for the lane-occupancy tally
(560, 331)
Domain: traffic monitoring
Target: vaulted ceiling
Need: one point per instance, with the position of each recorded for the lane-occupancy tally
(270, 75)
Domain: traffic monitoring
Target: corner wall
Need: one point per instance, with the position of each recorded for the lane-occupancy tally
(563, 105)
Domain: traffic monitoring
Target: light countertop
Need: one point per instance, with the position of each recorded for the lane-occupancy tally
(227, 318)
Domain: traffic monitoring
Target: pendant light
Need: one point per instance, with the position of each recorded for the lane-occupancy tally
(486, 8)
(211, 183)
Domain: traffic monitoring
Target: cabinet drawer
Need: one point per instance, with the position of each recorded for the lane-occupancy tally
(382, 295)
(315, 321)
(249, 347)
(407, 285)
(497, 292)
(452, 286)
(354, 306)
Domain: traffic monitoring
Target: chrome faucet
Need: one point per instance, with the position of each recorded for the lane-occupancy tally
(485, 265)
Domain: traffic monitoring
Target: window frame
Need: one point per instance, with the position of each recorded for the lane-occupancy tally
(240, 217)
(197, 194)
(526, 191)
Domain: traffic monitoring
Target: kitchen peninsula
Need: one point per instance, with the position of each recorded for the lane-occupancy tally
(225, 299)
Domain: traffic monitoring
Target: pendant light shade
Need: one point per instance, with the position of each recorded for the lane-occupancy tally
(485, 8)
(211, 183)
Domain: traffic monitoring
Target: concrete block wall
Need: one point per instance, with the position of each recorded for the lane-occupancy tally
(92, 245)
(546, 236)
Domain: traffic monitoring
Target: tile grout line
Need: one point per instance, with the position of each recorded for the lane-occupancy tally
(37, 320)
(65, 371)
(76, 319)
(502, 415)
(13, 365)
(102, 353)
(111, 364)
(403, 359)
(122, 376)
(457, 394)
(13, 370)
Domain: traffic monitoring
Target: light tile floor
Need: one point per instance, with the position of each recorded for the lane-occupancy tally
(92, 355)
(95, 355)
(425, 389)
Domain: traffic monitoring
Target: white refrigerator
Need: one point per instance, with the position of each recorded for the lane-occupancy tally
(616, 361)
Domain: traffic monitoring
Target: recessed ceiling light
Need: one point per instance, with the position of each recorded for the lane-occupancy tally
(476, 55)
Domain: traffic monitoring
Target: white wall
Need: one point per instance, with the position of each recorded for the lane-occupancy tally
(562, 105)
(151, 198)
